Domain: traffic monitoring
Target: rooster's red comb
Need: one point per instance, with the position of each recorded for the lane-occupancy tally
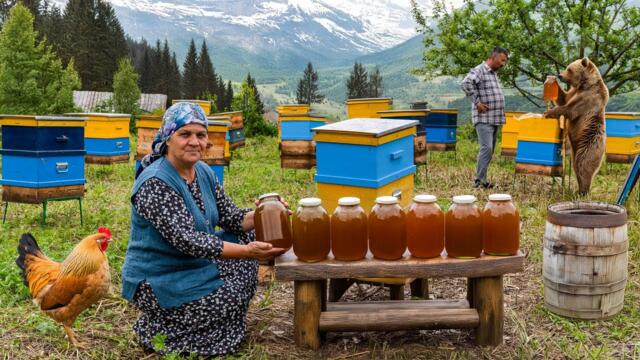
(105, 231)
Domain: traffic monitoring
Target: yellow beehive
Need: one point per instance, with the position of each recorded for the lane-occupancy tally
(510, 132)
(204, 104)
(147, 126)
(623, 145)
(534, 127)
(227, 146)
(368, 107)
(293, 109)
(330, 193)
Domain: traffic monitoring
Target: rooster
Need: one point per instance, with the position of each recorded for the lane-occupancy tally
(63, 290)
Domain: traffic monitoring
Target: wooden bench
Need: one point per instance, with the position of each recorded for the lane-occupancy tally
(481, 310)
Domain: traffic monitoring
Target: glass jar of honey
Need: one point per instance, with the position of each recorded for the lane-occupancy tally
(501, 226)
(272, 221)
(349, 230)
(463, 228)
(425, 227)
(387, 239)
(551, 89)
(311, 231)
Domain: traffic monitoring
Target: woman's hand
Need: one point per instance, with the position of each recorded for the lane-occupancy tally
(263, 251)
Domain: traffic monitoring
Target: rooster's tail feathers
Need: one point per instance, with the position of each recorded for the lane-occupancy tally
(27, 245)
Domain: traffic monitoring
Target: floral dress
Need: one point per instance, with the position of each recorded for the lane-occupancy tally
(214, 324)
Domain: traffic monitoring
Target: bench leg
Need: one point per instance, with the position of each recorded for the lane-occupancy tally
(396, 292)
(307, 307)
(488, 300)
(420, 288)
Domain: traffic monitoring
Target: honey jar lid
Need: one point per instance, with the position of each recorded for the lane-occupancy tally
(499, 197)
(424, 198)
(268, 195)
(386, 200)
(348, 201)
(464, 199)
(312, 201)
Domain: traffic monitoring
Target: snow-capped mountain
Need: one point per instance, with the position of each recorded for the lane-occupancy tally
(272, 34)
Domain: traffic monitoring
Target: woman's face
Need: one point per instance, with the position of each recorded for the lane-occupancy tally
(188, 143)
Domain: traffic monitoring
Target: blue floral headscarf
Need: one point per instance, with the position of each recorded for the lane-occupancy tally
(177, 116)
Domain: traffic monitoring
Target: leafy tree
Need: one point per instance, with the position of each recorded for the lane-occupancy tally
(126, 94)
(543, 36)
(32, 78)
(191, 73)
(307, 92)
(358, 84)
(375, 83)
(254, 123)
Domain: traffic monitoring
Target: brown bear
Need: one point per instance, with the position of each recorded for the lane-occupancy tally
(583, 105)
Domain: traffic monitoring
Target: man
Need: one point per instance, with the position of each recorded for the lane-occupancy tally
(487, 108)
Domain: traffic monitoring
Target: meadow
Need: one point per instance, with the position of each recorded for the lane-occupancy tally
(531, 332)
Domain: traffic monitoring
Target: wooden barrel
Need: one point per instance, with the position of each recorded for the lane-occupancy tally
(585, 259)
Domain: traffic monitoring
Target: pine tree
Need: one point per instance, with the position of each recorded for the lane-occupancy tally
(208, 83)
(307, 92)
(190, 75)
(156, 71)
(32, 78)
(254, 123)
(126, 94)
(221, 95)
(375, 83)
(228, 96)
(358, 84)
(252, 83)
(174, 90)
(146, 76)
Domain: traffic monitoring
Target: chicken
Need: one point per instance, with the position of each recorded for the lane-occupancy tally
(64, 290)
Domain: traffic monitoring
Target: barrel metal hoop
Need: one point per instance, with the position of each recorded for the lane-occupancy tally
(587, 214)
(562, 247)
(595, 289)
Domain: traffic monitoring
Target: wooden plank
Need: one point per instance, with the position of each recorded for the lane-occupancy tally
(307, 306)
(398, 305)
(297, 162)
(440, 147)
(297, 148)
(488, 300)
(535, 169)
(420, 288)
(287, 267)
(26, 195)
(337, 288)
(398, 319)
(620, 159)
(236, 145)
(396, 292)
(106, 160)
(506, 152)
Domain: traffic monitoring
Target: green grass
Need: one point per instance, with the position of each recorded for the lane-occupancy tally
(530, 330)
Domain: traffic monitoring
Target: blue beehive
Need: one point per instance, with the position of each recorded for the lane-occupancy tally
(539, 145)
(42, 157)
(623, 136)
(365, 158)
(106, 137)
(298, 126)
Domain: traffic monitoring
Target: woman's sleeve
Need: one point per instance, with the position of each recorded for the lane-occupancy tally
(231, 216)
(163, 207)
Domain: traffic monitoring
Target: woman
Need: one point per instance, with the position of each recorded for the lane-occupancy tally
(192, 285)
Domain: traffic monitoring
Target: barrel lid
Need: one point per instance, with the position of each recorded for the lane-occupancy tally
(424, 198)
(499, 197)
(386, 200)
(268, 195)
(464, 199)
(310, 202)
(348, 201)
(586, 214)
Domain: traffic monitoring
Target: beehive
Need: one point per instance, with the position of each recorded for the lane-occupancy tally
(420, 140)
(623, 136)
(441, 127)
(236, 130)
(510, 132)
(106, 137)
(204, 104)
(539, 145)
(367, 107)
(147, 126)
(42, 157)
(365, 158)
(293, 109)
(227, 148)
